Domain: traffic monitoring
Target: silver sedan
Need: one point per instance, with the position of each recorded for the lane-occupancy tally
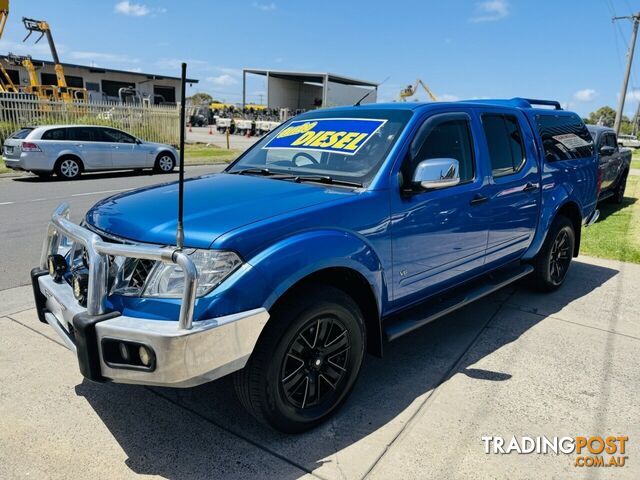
(69, 150)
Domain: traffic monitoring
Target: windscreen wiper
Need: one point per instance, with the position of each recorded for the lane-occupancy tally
(253, 171)
(326, 179)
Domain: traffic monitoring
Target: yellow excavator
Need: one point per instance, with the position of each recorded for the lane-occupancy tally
(410, 91)
(68, 94)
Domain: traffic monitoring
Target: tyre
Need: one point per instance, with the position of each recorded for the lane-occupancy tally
(552, 262)
(165, 163)
(618, 195)
(306, 361)
(68, 168)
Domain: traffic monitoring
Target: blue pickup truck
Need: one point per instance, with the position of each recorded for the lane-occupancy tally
(340, 230)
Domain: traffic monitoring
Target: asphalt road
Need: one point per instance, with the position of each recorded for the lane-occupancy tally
(26, 204)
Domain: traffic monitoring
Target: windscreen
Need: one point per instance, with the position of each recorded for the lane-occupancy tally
(347, 145)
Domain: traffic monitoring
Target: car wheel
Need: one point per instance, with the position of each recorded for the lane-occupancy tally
(306, 361)
(165, 163)
(618, 196)
(68, 168)
(552, 262)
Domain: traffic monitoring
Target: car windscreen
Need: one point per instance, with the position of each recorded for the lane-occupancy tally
(346, 145)
(22, 133)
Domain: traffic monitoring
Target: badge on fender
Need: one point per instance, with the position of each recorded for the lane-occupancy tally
(333, 135)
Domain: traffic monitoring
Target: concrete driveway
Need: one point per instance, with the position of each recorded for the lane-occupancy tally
(514, 364)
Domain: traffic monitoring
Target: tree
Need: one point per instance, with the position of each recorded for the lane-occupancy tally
(199, 98)
(604, 115)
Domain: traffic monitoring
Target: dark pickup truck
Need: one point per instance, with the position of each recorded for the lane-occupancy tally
(613, 163)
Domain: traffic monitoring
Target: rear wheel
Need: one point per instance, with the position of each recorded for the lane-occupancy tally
(306, 361)
(68, 168)
(618, 196)
(552, 262)
(165, 163)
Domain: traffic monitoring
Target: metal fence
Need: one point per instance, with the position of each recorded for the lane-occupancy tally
(155, 123)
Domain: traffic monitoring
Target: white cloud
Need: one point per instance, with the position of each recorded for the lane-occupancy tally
(491, 11)
(585, 95)
(265, 7)
(134, 9)
(632, 95)
(96, 57)
(446, 97)
(223, 80)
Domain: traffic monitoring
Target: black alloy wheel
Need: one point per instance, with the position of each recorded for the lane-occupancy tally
(316, 362)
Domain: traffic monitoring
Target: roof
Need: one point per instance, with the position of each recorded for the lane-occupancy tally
(316, 77)
(94, 69)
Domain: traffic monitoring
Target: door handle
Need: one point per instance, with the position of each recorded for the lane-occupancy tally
(79, 145)
(530, 187)
(478, 199)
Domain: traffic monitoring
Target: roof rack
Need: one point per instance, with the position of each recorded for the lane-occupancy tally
(548, 103)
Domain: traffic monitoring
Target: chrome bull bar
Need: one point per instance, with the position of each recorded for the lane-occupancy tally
(97, 251)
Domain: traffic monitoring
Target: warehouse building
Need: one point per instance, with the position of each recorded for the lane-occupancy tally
(102, 83)
(307, 90)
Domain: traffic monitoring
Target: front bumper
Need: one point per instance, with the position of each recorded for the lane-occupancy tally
(185, 353)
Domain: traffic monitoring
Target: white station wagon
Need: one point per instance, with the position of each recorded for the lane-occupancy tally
(69, 150)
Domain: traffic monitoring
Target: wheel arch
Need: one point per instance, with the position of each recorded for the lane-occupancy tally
(354, 284)
(571, 210)
(65, 155)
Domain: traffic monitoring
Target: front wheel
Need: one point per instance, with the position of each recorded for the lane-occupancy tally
(305, 362)
(552, 262)
(165, 163)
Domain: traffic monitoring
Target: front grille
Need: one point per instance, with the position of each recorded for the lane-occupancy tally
(140, 273)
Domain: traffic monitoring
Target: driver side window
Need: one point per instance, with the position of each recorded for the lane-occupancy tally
(443, 136)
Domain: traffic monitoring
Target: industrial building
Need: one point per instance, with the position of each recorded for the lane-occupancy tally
(103, 83)
(307, 90)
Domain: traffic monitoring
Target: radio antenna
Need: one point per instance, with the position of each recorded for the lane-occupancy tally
(180, 229)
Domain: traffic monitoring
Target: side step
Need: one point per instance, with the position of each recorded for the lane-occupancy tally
(416, 317)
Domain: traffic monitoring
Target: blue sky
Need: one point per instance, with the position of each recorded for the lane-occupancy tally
(567, 50)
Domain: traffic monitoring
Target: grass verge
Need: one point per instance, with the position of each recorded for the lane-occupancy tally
(616, 235)
(200, 153)
(635, 158)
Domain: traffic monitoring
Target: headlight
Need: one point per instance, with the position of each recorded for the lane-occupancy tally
(134, 277)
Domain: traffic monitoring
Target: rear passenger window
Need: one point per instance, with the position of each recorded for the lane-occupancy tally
(55, 134)
(564, 137)
(82, 134)
(443, 136)
(504, 139)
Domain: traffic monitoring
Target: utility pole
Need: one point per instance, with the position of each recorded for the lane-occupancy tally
(625, 83)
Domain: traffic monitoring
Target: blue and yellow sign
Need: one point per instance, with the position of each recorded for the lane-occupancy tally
(333, 135)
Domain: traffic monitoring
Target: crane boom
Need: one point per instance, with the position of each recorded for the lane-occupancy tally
(43, 29)
(411, 90)
(6, 84)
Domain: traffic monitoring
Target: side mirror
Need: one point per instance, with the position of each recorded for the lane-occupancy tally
(607, 150)
(437, 173)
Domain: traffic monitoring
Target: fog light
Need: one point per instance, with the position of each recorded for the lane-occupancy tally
(57, 267)
(80, 284)
(124, 351)
(145, 355)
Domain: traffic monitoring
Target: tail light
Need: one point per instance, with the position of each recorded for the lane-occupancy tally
(30, 147)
